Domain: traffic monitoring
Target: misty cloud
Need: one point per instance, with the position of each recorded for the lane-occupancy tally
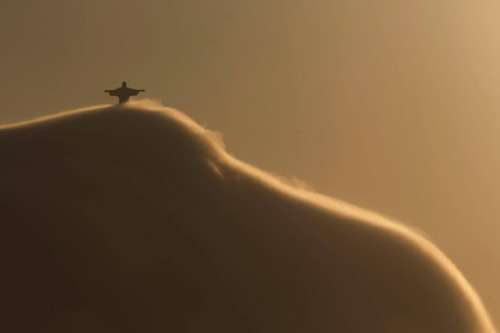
(135, 219)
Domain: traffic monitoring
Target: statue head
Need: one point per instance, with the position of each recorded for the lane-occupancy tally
(124, 84)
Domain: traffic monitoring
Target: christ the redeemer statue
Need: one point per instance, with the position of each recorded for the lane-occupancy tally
(123, 93)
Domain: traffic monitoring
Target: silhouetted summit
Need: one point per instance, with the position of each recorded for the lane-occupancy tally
(123, 93)
(135, 219)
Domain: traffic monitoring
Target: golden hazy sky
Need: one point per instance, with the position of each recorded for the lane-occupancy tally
(391, 105)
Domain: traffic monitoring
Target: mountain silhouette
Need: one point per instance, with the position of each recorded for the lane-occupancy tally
(133, 218)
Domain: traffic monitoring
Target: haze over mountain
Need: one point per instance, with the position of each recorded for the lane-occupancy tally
(390, 105)
(135, 219)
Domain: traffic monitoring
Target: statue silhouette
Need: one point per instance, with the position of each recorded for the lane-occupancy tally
(123, 93)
